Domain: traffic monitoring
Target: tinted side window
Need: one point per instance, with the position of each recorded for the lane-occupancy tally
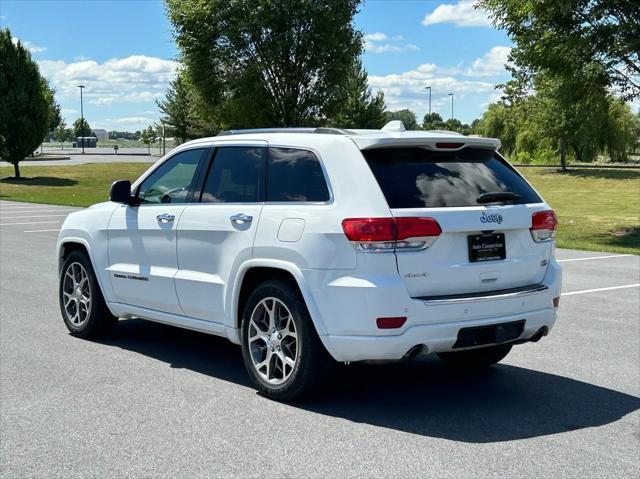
(295, 175)
(419, 178)
(172, 182)
(235, 175)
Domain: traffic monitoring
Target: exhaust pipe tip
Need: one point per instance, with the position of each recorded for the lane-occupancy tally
(543, 331)
(414, 351)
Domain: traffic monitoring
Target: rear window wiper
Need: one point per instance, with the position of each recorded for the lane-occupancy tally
(496, 196)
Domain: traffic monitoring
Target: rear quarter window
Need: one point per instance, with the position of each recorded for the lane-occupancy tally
(295, 175)
(420, 178)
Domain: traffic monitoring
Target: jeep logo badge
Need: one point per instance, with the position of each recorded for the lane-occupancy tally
(491, 218)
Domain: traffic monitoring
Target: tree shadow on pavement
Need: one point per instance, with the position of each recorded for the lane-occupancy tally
(422, 396)
(39, 181)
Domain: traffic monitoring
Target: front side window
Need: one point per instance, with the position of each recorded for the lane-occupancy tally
(172, 181)
(295, 175)
(235, 175)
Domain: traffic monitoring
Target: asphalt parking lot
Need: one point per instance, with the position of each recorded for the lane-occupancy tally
(156, 401)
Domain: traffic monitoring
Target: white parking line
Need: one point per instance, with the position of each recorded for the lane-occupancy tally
(57, 210)
(593, 257)
(40, 231)
(29, 216)
(635, 285)
(31, 223)
(29, 207)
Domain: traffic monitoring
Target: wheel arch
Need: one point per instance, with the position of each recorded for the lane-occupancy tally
(67, 245)
(253, 272)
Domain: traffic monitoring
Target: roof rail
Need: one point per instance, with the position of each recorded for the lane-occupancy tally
(332, 131)
(266, 130)
(320, 130)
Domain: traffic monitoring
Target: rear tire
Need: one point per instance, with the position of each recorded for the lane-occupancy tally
(477, 358)
(280, 346)
(82, 305)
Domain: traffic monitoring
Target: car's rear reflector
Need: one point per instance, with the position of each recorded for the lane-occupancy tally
(391, 323)
(391, 234)
(543, 226)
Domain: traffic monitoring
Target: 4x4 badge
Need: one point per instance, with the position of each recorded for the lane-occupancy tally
(491, 218)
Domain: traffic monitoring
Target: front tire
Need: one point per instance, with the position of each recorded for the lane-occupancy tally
(82, 305)
(477, 358)
(280, 346)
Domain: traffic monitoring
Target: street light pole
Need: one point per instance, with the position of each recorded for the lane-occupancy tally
(429, 88)
(451, 95)
(82, 117)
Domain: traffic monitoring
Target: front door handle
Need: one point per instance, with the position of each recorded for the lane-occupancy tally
(165, 218)
(241, 219)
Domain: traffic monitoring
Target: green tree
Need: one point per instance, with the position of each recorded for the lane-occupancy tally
(148, 136)
(623, 131)
(360, 107)
(565, 37)
(406, 116)
(63, 133)
(571, 53)
(24, 111)
(475, 125)
(261, 63)
(574, 115)
(498, 121)
(178, 109)
(453, 124)
(433, 121)
(81, 127)
(54, 108)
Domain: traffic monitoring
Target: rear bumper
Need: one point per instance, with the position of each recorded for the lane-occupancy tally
(435, 338)
(349, 306)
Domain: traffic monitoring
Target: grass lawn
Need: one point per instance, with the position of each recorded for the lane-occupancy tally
(77, 185)
(598, 209)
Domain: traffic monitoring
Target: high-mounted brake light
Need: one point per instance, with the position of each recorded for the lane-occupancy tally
(449, 145)
(391, 234)
(543, 226)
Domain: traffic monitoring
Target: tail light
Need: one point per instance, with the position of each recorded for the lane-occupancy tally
(391, 234)
(543, 226)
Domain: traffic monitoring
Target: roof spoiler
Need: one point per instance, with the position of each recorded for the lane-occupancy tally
(446, 143)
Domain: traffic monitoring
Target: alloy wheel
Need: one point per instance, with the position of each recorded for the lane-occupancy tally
(76, 292)
(273, 341)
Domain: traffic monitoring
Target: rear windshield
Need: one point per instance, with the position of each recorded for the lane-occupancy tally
(420, 178)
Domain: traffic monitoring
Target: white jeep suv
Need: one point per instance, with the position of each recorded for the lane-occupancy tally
(307, 245)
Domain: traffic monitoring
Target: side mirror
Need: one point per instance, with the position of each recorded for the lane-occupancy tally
(120, 192)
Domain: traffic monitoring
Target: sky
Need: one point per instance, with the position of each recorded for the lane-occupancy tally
(123, 52)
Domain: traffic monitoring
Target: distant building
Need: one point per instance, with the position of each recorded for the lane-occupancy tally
(101, 134)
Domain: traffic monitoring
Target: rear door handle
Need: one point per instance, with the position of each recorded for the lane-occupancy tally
(241, 219)
(165, 218)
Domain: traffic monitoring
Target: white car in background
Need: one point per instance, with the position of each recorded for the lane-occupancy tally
(311, 245)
